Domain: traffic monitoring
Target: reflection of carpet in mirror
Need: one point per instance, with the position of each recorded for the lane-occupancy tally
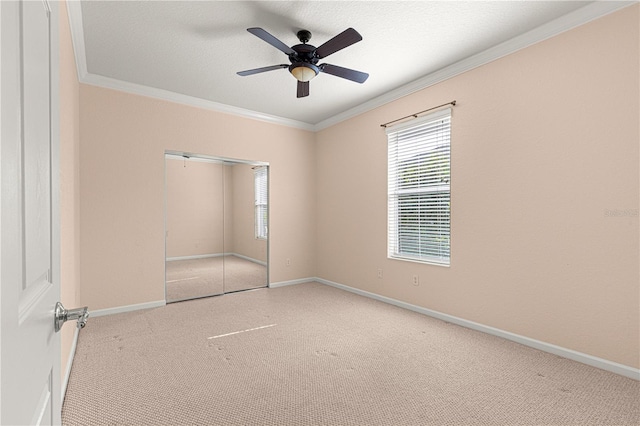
(188, 279)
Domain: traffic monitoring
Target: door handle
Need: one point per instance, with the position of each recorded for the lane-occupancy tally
(63, 315)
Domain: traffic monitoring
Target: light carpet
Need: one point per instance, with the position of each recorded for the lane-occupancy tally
(311, 354)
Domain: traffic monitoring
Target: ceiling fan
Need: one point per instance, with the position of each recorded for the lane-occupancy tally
(304, 57)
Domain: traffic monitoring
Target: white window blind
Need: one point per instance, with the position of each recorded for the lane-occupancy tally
(261, 197)
(419, 177)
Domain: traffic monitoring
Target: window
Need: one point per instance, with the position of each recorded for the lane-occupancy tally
(261, 197)
(419, 177)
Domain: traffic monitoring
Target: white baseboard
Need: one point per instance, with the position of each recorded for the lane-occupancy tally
(614, 367)
(127, 308)
(293, 282)
(67, 373)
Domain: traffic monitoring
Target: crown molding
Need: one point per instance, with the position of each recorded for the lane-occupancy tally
(74, 11)
(564, 23)
(166, 95)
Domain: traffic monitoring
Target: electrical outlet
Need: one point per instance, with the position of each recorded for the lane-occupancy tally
(288, 262)
(416, 280)
(379, 273)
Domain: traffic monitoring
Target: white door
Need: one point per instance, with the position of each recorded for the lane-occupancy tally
(29, 208)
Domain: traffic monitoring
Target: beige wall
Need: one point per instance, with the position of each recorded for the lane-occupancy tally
(124, 138)
(544, 143)
(195, 222)
(69, 181)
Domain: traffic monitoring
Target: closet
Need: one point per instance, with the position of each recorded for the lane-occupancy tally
(216, 225)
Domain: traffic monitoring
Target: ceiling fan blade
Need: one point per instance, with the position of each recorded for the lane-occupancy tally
(262, 34)
(349, 74)
(339, 42)
(263, 69)
(303, 89)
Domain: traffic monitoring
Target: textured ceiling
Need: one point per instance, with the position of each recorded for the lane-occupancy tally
(196, 48)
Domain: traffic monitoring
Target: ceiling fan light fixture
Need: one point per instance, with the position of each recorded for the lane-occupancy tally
(303, 71)
(304, 58)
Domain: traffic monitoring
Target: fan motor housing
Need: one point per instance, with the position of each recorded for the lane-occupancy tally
(304, 53)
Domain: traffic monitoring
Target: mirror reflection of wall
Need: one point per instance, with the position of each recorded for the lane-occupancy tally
(212, 215)
(246, 262)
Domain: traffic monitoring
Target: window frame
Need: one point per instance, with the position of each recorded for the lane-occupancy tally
(419, 170)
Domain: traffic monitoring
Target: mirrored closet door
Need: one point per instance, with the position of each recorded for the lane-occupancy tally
(216, 226)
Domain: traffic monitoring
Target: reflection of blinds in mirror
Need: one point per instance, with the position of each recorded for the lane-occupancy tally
(261, 197)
